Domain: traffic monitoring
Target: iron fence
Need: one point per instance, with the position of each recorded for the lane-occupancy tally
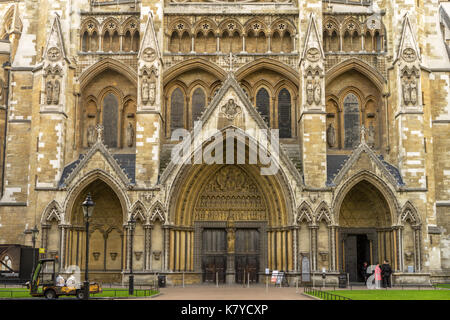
(324, 295)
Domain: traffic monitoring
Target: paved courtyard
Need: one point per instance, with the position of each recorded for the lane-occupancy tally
(206, 292)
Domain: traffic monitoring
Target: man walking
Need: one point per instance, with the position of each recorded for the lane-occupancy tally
(386, 272)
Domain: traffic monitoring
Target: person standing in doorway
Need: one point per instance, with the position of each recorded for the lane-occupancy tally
(386, 272)
(377, 276)
(364, 272)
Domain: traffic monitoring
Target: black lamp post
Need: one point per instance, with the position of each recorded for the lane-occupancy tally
(88, 208)
(131, 225)
(34, 232)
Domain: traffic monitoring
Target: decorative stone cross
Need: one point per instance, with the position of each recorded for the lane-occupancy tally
(99, 129)
(229, 60)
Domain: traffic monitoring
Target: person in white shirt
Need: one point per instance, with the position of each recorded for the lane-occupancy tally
(60, 282)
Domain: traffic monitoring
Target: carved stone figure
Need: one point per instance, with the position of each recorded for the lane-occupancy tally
(230, 109)
(130, 135)
(413, 91)
(56, 90)
(317, 93)
(49, 92)
(91, 135)
(145, 91)
(331, 136)
(309, 92)
(371, 136)
(406, 91)
(231, 238)
(152, 92)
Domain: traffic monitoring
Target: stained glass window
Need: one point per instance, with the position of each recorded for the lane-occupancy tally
(284, 114)
(110, 120)
(351, 121)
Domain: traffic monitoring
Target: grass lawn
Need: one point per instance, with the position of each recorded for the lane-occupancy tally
(110, 292)
(394, 294)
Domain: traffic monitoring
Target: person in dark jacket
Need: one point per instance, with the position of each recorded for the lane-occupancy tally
(364, 272)
(386, 272)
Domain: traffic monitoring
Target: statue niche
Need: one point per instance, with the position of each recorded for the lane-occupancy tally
(148, 87)
(52, 77)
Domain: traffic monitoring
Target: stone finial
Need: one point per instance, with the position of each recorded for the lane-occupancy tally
(363, 134)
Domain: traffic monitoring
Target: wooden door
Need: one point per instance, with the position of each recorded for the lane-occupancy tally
(247, 255)
(214, 259)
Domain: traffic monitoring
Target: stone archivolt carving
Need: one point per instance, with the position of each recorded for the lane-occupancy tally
(230, 195)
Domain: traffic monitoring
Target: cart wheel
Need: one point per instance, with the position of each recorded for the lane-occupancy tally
(80, 294)
(50, 294)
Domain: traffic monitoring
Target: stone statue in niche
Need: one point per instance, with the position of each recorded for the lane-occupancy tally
(309, 92)
(49, 92)
(406, 91)
(130, 134)
(56, 90)
(317, 93)
(152, 92)
(230, 238)
(91, 135)
(331, 136)
(230, 109)
(371, 136)
(145, 91)
(413, 91)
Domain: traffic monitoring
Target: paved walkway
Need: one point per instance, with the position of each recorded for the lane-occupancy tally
(207, 292)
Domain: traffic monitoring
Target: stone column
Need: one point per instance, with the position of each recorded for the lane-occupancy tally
(333, 248)
(417, 251)
(313, 235)
(62, 252)
(148, 247)
(44, 237)
(295, 230)
(243, 43)
(166, 248)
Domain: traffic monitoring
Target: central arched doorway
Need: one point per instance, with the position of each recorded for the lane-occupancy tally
(229, 224)
(365, 230)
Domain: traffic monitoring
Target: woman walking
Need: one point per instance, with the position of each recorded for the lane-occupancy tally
(377, 276)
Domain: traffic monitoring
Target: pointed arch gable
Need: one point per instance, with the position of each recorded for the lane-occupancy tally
(323, 212)
(108, 63)
(409, 213)
(362, 67)
(138, 211)
(305, 213)
(157, 212)
(78, 186)
(364, 175)
(53, 211)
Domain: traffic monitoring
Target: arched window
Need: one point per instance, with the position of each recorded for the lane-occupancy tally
(351, 121)
(286, 45)
(94, 42)
(334, 42)
(115, 44)
(261, 44)
(211, 42)
(368, 42)
(110, 120)
(276, 42)
(174, 45)
(236, 42)
(250, 42)
(284, 114)
(106, 42)
(176, 109)
(185, 44)
(198, 104)
(263, 105)
(85, 42)
(127, 42)
(136, 39)
(225, 42)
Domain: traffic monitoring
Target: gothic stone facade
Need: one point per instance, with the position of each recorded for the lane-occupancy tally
(91, 92)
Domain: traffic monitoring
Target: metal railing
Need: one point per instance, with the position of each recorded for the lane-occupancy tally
(324, 295)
